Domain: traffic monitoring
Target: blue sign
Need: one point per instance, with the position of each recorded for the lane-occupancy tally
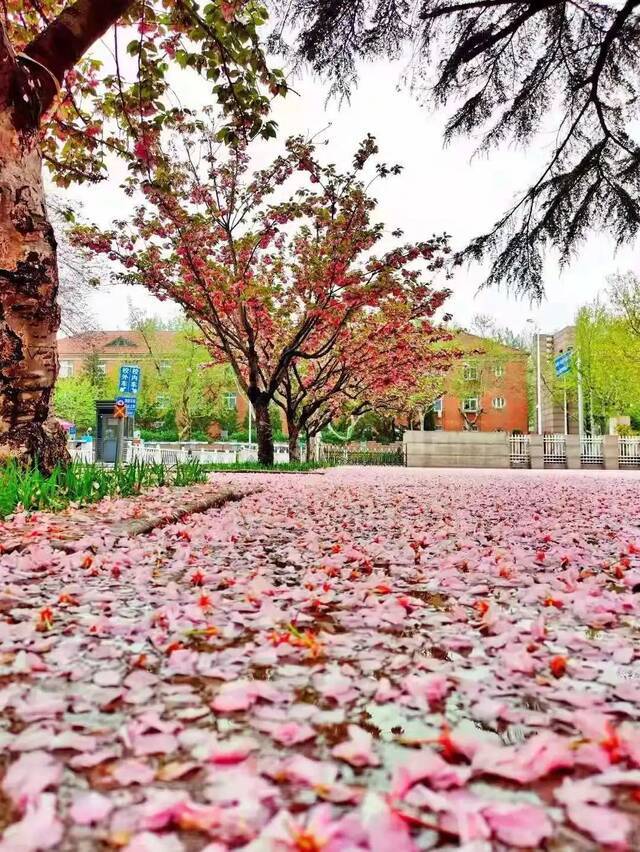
(562, 363)
(129, 379)
(131, 403)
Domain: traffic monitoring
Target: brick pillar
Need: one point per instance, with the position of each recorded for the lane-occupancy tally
(572, 443)
(536, 452)
(610, 452)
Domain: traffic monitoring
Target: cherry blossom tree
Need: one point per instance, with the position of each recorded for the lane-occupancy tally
(62, 105)
(383, 356)
(274, 266)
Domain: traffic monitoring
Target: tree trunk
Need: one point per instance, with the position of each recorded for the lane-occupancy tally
(29, 314)
(264, 431)
(294, 433)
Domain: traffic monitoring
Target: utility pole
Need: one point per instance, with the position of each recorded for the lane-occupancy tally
(580, 400)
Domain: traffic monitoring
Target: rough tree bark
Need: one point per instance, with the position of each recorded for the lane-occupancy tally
(29, 312)
(263, 429)
(294, 434)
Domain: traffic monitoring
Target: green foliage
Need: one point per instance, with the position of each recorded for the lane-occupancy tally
(608, 354)
(159, 434)
(91, 370)
(79, 483)
(74, 400)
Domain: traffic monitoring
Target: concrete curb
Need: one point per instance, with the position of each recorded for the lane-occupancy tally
(126, 529)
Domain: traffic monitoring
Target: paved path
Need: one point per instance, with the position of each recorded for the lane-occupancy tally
(372, 659)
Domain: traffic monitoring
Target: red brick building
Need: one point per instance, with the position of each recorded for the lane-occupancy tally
(486, 392)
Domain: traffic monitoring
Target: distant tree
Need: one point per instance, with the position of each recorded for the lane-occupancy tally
(379, 358)
(268, 280)
(74, 400)
(511, 70)
(93, 371)
(607, 356)
(485, 325)
(180, 378)
(624, 293)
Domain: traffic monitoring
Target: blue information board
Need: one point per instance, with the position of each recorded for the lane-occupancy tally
(131, 403)
(562, 363)
(129, 379)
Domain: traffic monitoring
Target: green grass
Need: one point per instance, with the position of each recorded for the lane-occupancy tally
(27, 489)
(290, 467)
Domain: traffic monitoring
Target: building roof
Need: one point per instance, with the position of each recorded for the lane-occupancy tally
(118, 342)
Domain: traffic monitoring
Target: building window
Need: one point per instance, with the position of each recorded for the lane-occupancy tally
(470, 373)
(231, 401)
(101, 367)
(498, 402)
(66, 369)
(163, 366)
(470, 404)
(162, 400)
(498, 371)
(437, 407)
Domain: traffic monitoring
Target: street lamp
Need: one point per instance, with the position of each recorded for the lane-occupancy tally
(536, 331)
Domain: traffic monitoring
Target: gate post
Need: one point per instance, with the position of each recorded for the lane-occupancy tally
(536, 452)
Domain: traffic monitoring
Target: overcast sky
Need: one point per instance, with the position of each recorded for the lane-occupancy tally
(440, 189)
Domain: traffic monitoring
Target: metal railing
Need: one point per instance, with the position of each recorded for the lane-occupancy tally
(230, 454)
(554, 448)
(591, 449)
(83, 452)
(629, 451)
(393, 457)
(519, 454)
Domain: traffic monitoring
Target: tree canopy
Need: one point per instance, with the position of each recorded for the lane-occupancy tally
(118, 97)
(510, 70)
(274, 266)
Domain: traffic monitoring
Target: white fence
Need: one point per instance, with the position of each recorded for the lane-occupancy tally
(154, 453)
(82, 453)
(554, 449)
(519, 450)
(629, 452)
(591, 449)
(230, 454)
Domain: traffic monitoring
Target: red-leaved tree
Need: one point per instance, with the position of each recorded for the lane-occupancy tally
(72, 110)
(382, 356)
(275, 266)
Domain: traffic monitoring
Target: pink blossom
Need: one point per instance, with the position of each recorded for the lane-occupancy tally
(605, 825)
(358, 749)
(433, 687)
(518, 825)
(427, 764)
(154, 744)
(128, 772)
(90, 807)
(291, 733)
(39, 828)
(28, 776)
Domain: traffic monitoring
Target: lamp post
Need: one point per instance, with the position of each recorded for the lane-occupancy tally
(536, 331)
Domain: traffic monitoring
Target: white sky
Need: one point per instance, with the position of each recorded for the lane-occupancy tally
(439, 190)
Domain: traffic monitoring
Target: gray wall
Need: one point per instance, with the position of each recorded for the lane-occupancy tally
(457, 449)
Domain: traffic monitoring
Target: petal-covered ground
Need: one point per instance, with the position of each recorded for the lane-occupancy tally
(373, 659)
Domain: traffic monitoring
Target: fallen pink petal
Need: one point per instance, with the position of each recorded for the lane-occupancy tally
(285, 704)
